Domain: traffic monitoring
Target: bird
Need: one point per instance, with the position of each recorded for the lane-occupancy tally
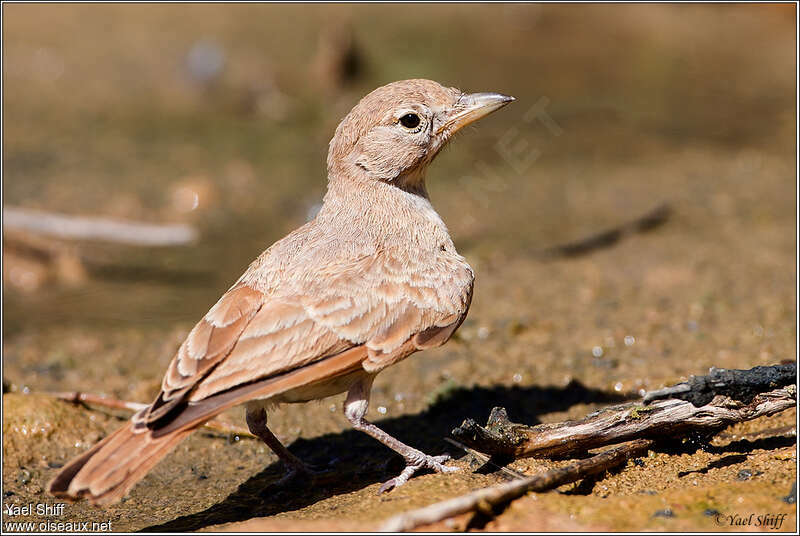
(372, 279)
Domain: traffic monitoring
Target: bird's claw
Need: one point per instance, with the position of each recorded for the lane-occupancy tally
(413, 464)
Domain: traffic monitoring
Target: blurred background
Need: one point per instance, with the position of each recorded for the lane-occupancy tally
(218, 117)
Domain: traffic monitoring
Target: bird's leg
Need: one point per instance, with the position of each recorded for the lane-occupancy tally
(256, 418)
(355, 407)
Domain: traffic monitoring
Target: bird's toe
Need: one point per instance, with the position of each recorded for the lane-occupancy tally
(421, 461)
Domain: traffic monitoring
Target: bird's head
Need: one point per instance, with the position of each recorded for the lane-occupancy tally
(393, 133)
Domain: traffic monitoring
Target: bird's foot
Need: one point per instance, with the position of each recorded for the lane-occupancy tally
(415, 462)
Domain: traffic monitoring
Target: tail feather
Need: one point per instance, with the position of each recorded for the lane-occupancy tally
(122, 482)
(110, 459)
(59, 486)
(106, 472)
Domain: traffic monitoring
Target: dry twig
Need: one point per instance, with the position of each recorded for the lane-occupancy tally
(740, 385)
(655, 218)
(78, 397)
(747, 395)
(487, 498)
(507, 471)
(615, 424)
(724, 397)
(85, 228)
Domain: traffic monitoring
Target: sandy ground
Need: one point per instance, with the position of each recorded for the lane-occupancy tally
(692, 106)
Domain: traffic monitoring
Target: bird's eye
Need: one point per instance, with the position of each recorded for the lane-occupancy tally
(410, 120)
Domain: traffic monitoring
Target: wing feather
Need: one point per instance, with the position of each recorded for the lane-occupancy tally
(389, 305)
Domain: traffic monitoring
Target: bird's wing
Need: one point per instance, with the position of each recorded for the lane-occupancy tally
(207, 345)
(393, 297)
(386, 305)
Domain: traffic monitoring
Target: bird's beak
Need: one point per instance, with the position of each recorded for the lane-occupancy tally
(472, 107)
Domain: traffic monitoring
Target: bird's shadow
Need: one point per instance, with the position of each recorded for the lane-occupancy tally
(360, 461)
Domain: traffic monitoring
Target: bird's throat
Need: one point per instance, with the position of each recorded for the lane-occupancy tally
(413, 182)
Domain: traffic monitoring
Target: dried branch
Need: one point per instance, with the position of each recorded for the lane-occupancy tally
(85, 228)
(78, 397)
(724, 397)
(487, 498)
(507, 471)
(615, 424)
(609, 237)
(740, 385)
(736, 396)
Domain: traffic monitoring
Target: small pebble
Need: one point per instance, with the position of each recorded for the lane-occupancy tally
(629, 340)
(744, 474)
(666, 512)
(24, 476)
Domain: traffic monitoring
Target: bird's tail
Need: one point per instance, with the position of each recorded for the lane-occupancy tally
(106, 472)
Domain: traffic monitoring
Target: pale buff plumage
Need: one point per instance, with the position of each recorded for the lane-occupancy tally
(373, 278)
